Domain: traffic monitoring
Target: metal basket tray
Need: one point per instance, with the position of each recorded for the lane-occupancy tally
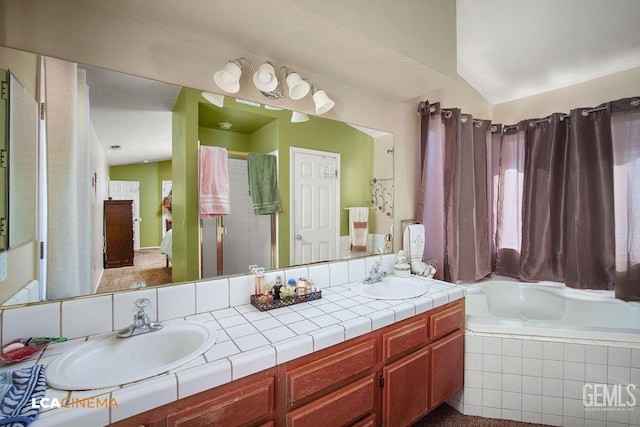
(284, 302)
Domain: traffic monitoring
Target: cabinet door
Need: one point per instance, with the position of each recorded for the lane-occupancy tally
(342, 407)
(406, 389)
(447, 368)
(249, 405)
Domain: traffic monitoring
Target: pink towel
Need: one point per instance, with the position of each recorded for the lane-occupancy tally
(358, 228)
(214, 182)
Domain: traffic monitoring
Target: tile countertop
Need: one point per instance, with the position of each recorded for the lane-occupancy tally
(249, 341)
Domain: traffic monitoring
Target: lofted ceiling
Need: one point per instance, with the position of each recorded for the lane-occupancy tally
(505, 49)
(511, 49)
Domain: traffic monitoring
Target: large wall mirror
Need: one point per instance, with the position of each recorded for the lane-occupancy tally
(119, 137)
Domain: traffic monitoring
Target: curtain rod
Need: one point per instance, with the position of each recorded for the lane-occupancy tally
(381, 179)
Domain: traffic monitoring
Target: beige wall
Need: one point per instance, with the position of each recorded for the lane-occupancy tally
(587, 94)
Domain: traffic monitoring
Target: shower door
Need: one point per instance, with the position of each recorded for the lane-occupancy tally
(245, 237)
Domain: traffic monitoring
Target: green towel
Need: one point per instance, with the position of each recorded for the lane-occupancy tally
(263, 183)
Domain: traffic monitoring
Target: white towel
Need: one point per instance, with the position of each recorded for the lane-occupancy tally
(413, 241)
(413, 245)
(358, 228)
(214, 182)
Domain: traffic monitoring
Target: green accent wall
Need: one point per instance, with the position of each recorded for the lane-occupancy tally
(189, 115)
(150, 176)
(186, 224)
(355, 149)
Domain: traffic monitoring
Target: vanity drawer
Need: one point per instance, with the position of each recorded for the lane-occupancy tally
(405, 339)
(446, 321)
(342, 407)
(330, 371)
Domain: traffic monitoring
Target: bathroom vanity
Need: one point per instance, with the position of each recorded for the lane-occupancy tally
(392, 376)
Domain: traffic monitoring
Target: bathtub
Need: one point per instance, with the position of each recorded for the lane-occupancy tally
(502, 305)
(531, 349)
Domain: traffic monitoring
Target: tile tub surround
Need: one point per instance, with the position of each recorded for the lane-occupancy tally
(540, 379)
(249, 340)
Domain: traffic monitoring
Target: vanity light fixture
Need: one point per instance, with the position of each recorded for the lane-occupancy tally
(321, 100)
(297, 117)
(214, 98)
(265, 79)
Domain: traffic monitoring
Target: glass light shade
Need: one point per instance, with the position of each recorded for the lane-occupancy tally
(228, 79)
(214, 98)
(322, 101)
(265, 78)
(298, 88)
(297, 117)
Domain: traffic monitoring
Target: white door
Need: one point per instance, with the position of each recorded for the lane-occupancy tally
(315, 191)
(129, 190)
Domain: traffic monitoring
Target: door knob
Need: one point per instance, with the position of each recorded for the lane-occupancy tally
(298, 237)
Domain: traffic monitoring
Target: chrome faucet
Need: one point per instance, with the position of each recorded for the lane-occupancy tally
(376, 274)
(142, 323)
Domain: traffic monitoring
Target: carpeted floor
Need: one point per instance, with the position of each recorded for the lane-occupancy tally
(149, 266)
(445, 416)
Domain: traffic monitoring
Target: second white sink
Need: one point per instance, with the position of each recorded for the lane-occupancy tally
(110, 361)
(392, 287)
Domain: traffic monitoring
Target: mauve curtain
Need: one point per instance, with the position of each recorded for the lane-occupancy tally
(544, 198)
(625, 129)
(590, 230)
(454, 206)
(509, 200)
(430, 206)
(493, 180)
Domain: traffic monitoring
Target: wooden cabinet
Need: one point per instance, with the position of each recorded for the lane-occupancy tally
(446, 368)
(392, 376)
(118, 233)
(406, 389)
(249, 401)
(339, 408)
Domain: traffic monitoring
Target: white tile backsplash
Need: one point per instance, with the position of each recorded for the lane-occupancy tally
(319, 274)
(339, 273)
(176, 301)
(212, 295)
(240, 290)
(357, 269)
(40, 320)
(81, 318)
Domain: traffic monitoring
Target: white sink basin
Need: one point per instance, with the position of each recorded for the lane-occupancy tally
(109, 361)
(392, 287)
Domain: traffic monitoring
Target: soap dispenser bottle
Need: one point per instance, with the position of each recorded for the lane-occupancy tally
(259, 280)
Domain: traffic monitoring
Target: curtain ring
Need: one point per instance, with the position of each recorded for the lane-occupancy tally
(477, 123)
(463, 119)
(635, 102)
